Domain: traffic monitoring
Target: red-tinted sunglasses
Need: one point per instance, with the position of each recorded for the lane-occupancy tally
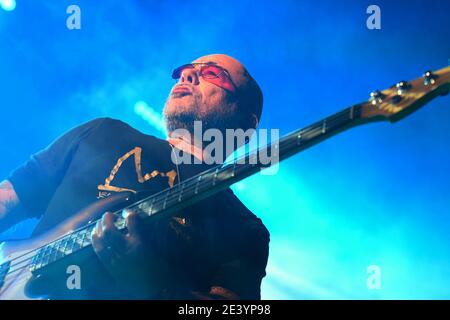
(209, 72)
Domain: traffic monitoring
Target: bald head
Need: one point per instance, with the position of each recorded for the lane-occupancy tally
(194, 98)
(250, 96)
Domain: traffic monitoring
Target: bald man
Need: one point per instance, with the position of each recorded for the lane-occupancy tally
(216, 249)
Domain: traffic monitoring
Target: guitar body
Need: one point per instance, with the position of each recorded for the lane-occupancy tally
(14, 284)
(55, 281)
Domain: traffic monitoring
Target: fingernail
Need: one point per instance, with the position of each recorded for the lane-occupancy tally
(126, 213)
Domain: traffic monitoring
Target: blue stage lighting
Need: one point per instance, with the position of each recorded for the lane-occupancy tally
(147, 113)
(8, 5)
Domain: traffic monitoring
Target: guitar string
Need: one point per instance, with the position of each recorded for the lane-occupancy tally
(15, 270)
(308, 130)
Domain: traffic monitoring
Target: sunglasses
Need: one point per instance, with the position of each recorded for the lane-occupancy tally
(209, 72)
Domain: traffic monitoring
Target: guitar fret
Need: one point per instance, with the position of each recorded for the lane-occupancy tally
(181, 193)
(196, 185)
(65, 246)
(324, 126)
(72, 242)
(85, 238)
(233, 170)
(215, 177)
(88, 234)
(53, 254)
(58, 247)
(39, 258)
(46, 256)
(75, 243)
(81, 238)
(165, 199)
(151, 206)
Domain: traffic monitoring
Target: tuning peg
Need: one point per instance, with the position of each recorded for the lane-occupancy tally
(429, 78)
(376, 97)
(402, 87)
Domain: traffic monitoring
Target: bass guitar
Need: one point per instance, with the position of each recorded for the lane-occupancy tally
(36, 268)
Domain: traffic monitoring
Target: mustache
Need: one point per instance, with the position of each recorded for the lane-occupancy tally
(184, 86)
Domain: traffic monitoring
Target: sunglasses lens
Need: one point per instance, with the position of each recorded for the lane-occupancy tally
(176, 74)
(211, 72)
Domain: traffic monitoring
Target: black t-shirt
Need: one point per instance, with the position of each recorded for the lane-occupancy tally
(216, 242)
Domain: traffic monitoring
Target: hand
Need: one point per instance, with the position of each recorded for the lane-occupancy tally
(130, 260)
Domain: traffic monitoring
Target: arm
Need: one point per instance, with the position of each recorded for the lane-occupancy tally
(35, 181)
(11, 211)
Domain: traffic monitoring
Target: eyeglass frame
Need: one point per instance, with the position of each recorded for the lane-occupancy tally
(180, 69)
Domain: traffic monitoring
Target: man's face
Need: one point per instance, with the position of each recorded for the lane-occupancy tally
(194, 98)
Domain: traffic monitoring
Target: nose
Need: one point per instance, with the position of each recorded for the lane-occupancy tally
(189, 76)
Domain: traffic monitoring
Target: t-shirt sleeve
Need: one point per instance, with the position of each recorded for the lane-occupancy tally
(37, 179)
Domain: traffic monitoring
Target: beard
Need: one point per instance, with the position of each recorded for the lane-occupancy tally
(184, 118)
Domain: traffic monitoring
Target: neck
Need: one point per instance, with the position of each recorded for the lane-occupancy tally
(187, 144)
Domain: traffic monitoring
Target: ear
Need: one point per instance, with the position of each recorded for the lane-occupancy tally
(255, 120)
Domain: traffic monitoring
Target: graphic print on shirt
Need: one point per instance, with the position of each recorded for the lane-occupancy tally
(136, 152)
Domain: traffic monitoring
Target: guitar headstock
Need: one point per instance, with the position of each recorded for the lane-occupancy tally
(405, 97)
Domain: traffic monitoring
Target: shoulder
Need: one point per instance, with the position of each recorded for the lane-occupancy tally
(115, 125)
(106, 122)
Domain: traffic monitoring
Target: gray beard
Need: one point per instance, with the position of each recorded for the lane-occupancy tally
(211, 121)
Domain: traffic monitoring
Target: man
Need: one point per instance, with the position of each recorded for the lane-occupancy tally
(216, 249)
